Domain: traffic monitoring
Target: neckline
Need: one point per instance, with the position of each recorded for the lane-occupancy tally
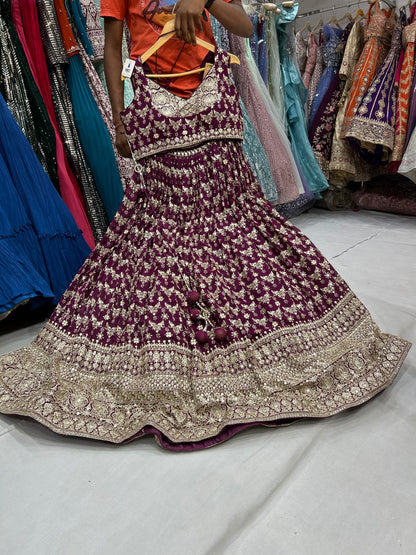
(218, 58)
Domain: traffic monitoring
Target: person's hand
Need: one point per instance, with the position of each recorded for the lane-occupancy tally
(188, 19)
(122, 143)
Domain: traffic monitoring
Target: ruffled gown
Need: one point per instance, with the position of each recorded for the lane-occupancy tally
(200, 312)
(41, 245)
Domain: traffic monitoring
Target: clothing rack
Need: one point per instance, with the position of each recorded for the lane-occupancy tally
(344, 7)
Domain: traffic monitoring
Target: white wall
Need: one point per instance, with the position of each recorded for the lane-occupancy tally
(335, 7)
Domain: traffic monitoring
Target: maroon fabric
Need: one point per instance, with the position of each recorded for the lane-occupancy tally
(389, 193)
(120, 357)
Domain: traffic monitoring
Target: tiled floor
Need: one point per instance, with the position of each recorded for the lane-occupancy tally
(344, 485)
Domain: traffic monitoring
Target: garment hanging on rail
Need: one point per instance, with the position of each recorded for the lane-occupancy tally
(259, 44)
(345, 163)
(318, 69)
(275, 71)
(331, 56)
(295, 98)
(404, 92)
(311, 61)
(57, 44)
(25, 19)
(252, 146)
(323, 124)
(377, 35)
(22, 95)
(269, 134)
(371, 131)
(301, 51)
(55, 248)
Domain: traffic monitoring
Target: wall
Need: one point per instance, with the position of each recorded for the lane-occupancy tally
(334, 7)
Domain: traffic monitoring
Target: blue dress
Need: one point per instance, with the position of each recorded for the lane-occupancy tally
(332, 59)
(259, 46)
(41, 247)
(295, 94)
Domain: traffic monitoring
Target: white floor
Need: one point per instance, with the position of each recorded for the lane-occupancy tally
(344, 485)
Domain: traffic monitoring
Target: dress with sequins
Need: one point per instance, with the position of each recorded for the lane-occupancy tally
(331, 56)
(200, 312)
(372, 128)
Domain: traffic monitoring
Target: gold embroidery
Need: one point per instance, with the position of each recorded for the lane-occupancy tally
(78, 387)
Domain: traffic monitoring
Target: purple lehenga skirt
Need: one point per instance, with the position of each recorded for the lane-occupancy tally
(201, 312)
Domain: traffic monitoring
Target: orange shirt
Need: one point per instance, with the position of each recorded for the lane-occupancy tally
(145, 24)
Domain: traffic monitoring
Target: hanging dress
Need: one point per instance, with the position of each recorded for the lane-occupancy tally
(270, 135)
(295, 98)
(323, 125)
(259, 44)
(55, 51)
(311, 60)
(345, 165)
(23, 276)
(407, 165)
(252, 147)
(377, 35)
(196, 246)
(95, 139)
(62, 247)
(404, 91)
(301, 51)
(331, 57)
(275, 71)
(318, 69)
(22, 95)
(95, 32)
(371, 131)
(25, 19)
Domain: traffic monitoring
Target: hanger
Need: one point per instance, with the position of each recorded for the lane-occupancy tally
(346, 16)
(334, 21)
(168, 32)
(306, 27)
(359, 13)
(319, 24)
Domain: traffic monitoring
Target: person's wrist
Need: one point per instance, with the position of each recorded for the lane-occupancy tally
(208, 4)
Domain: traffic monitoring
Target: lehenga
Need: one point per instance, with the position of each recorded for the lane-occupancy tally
(331, 57)
(201, 311)
(404, 92)
(372, 127)
(323, 124)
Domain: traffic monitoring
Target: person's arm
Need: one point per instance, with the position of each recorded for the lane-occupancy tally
(113, 66)
(230, 14)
